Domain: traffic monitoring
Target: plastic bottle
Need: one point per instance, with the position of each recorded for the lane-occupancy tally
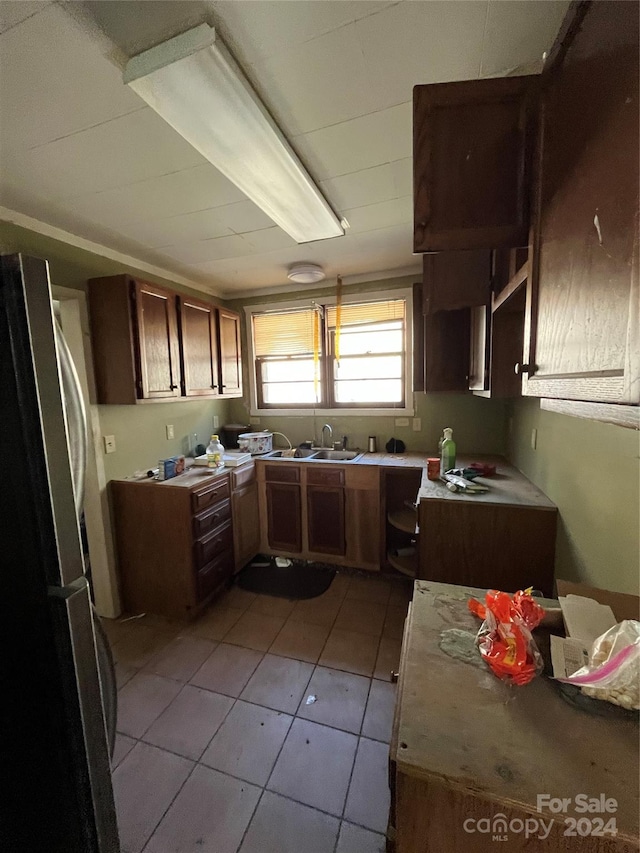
(215, 453)
(448, 453)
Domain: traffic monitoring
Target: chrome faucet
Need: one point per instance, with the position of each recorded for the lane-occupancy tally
(327, 426)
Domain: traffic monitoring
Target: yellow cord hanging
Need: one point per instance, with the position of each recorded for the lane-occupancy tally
(338, 317)
(316, 352)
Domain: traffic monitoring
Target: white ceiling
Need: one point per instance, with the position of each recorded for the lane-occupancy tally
(82, 152)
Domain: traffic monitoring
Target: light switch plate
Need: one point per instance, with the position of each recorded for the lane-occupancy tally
(109, 443)
(169, 429)
(402, 421)
(216, 422)
(417, 424)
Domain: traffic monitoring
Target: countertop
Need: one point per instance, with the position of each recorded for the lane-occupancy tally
(196, 475)
(508, 486)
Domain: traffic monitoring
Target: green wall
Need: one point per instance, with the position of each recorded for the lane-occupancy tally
(139, 430)
(478, 424)
(591, 471)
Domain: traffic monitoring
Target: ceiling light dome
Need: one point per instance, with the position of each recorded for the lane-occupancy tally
(305, 273)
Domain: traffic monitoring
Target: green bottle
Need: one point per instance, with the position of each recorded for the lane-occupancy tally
(448, 452)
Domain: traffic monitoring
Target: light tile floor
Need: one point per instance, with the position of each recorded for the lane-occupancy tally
(218, 749)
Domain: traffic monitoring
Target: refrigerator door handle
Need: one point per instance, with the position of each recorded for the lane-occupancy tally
(70, 612)
(75, 416)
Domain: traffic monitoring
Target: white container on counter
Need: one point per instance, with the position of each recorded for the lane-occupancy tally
(256, 442)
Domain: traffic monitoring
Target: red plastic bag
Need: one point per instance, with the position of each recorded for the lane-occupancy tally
(504, 638)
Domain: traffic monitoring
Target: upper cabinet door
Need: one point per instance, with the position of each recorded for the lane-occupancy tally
(230, 354)
(472, 145)
(582, 307)
(157, 341)
(199, 339)
(454, 280)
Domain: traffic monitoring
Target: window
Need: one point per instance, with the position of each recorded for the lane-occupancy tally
(325, 357)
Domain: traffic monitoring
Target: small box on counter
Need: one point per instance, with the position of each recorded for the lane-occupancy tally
(168, 468)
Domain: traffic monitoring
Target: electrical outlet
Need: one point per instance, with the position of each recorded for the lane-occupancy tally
(402, 421)
(109, 443)
(417, 424)
(216, 422)
(534, 439)
(169, 429)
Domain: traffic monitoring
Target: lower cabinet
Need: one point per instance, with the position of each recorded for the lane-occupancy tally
(246, 520)
(284, 519)
(362, 511)
(317, 510)
(175, 542)
(325, 519)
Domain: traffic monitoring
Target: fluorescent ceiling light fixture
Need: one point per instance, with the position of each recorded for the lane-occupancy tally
(194, 83)
(305, 273)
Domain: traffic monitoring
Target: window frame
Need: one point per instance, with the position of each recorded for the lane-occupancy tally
(256, 410)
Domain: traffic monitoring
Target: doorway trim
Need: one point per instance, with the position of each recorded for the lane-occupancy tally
(74, 320)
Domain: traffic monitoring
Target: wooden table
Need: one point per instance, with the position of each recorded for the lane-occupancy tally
(466, 747)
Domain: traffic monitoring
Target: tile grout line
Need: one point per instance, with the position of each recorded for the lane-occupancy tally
(263, 788)
(196, 763)
(294, 718)
(236, 699)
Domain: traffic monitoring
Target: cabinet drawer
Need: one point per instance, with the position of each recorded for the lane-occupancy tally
(325, 476)
(208, 548)
(206, 521)
(216, 491)
(244, 475)
(283, 473)
(214, 573)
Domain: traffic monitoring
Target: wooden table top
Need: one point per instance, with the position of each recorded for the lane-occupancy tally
(463, 727)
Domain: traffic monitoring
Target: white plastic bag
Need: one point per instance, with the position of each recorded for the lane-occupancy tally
(613, 671)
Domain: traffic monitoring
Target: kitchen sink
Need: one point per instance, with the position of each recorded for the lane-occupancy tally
(316, 455)
(338, 455)
(299, 453)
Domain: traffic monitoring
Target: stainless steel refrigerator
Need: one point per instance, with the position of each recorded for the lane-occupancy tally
(54, 760)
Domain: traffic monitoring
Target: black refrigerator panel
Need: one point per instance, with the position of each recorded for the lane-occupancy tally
(56, 780)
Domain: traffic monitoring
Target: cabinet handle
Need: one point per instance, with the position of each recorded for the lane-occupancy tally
(519, 368)
(173, 387)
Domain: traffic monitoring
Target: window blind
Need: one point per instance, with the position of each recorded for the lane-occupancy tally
(284, 333)
(370, 312)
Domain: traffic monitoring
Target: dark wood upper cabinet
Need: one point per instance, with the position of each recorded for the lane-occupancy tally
(199, 340)
(454, 280)
(138, 354)
(472, 146)
(157, 341)
(134, 338)
(440, 348)
(582, 327)
(230, 354)
(454, 284)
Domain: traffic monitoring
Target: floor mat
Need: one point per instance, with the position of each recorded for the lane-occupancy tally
(299, 580)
